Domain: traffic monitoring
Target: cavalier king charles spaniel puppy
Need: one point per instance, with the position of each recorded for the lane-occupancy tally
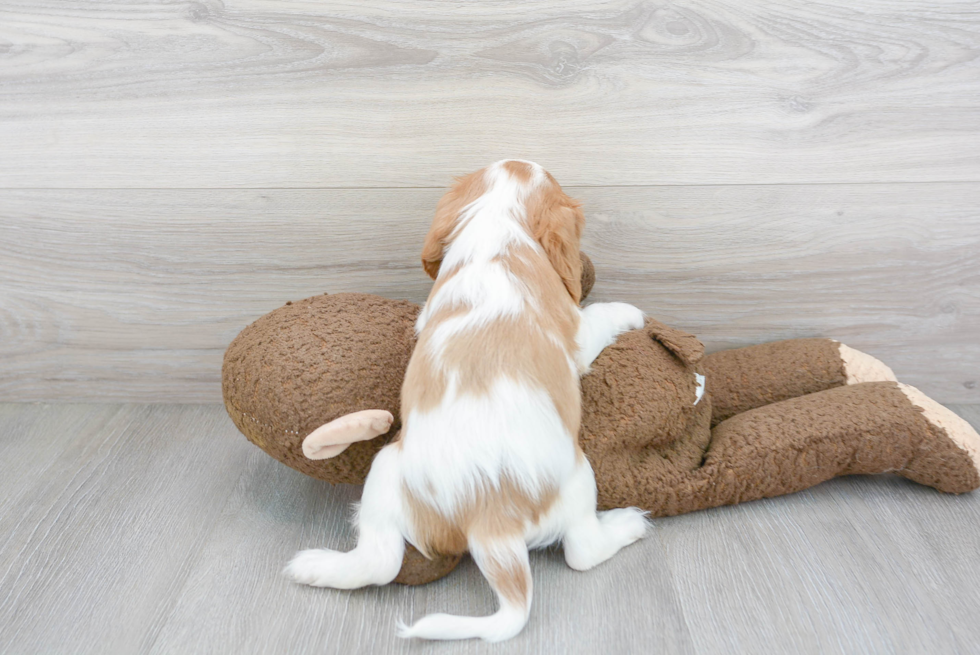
(488, 459)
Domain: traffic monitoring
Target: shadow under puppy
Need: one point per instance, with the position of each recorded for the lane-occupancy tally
(488, 460)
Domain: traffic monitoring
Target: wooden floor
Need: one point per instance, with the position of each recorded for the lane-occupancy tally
(160, 529)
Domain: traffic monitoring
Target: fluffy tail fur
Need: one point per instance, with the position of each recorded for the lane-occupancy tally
(504, 563)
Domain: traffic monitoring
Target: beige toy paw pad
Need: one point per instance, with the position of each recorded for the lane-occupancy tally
(861, 367)
(955, 426)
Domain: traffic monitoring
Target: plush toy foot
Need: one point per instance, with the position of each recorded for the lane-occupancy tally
(861, 367)
(331, 439)
(949, 459)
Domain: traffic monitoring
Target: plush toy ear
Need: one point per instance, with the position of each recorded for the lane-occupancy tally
(687, 347)
(331, 439)
(464, 191)
(557, 225)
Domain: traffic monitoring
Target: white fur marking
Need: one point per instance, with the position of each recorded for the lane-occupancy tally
(600, 324)
(452, 451)
(487, 228)
(487, 289)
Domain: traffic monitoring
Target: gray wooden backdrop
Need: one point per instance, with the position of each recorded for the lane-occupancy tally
(751, 171)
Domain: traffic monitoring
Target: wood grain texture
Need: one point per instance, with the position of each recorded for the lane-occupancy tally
(97, 544)
(134, 294)
(851, 566)
(235, 601)
(160, 529)
(255, 93)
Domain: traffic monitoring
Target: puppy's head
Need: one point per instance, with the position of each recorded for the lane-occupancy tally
(551, 218)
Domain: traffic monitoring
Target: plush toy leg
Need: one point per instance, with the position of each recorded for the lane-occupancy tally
(873, 427)
(745, 378)
(331, 439)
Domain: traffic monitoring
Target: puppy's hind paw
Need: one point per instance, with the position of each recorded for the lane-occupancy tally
(627, 525)
(311, 567)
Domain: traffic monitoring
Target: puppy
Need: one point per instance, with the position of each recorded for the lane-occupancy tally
(488, 460)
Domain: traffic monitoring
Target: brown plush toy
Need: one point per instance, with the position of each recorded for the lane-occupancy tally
(316, 385)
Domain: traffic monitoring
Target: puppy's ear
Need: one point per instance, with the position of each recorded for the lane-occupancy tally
(463, 192)
(557, 226)
(438, 237)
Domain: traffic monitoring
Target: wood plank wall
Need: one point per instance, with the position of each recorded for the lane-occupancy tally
(171, 171)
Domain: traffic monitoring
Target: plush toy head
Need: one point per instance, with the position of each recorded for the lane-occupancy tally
(356, 360)
(280, 384)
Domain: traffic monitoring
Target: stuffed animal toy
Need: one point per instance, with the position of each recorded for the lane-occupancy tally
(316, 385)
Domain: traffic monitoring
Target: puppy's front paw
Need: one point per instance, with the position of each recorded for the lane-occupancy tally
(310, 567)
(625, 316)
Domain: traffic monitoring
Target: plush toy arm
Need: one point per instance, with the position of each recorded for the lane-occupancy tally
(331, 439)
(600, 324)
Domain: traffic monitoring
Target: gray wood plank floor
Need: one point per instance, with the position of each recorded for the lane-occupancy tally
(159, 529)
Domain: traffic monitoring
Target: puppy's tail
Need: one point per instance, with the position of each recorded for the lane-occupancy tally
(504, 563)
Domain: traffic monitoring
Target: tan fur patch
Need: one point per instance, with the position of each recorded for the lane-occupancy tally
(493, 513)
(529, 348)
(510, 580)
(519, 170)
(464, 191)
(554, 313)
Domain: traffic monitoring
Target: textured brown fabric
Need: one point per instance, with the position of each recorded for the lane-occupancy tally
(939, 463)
(684, 346)
(640, 426)
(416, 569)
(310, 362)
(797, 443)
(588, 275)
(651, 389)
(745, 378)
(315, 360)
(786, 447)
